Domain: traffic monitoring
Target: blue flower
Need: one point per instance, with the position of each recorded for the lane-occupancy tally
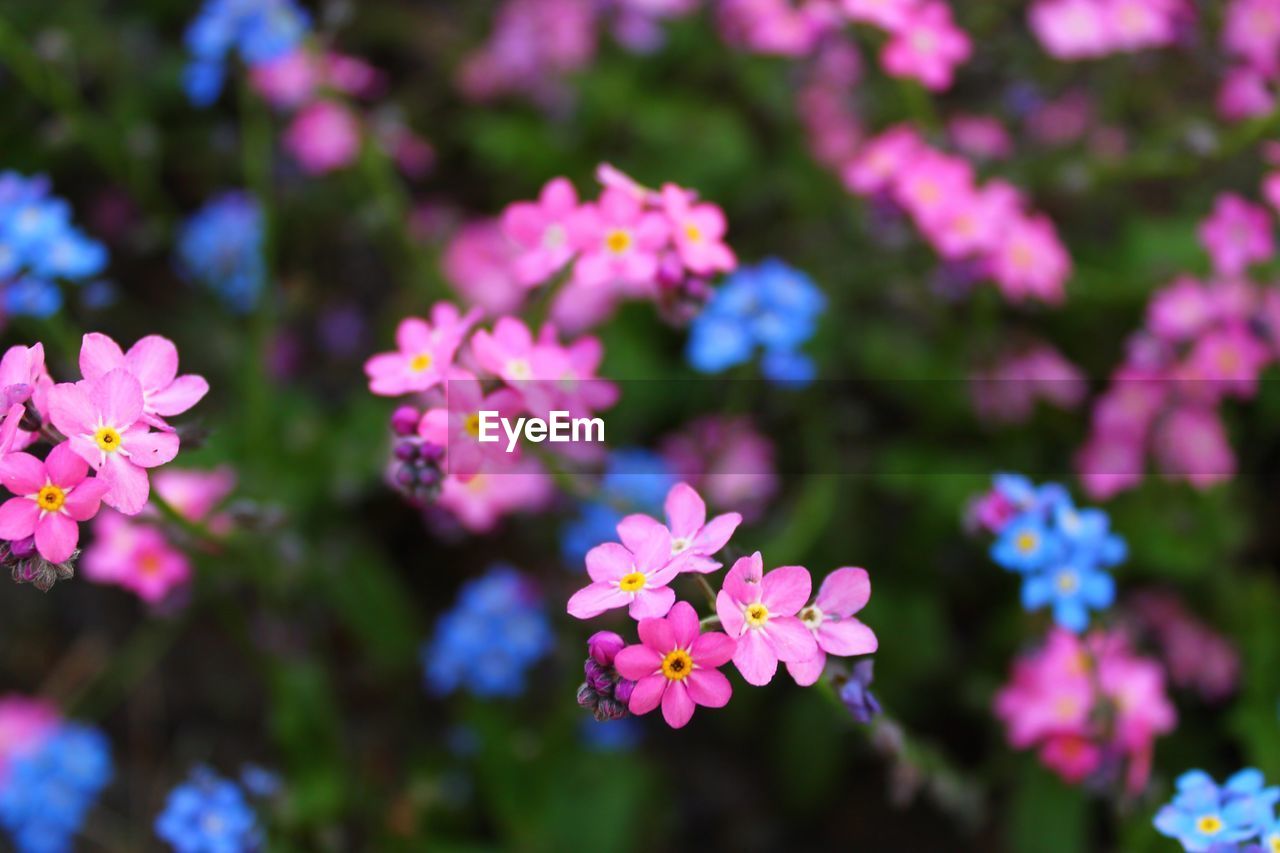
(260, 30)
(1086, 533)
(1072, 589)
(596, 522)
(486, 644)
(221, 247)
(1026, 544)
(634, 481)
(208, 814)
(48, 792)
(1204, 815)
(769, 307)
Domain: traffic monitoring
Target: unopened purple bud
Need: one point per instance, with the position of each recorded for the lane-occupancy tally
(587, 697)
(406, 476)
(404, 420)
(406, 450)
(23, 548)
(622, 690)
(608, 709)
(431, 452)
(428, 477)
(856, 693)
(604, 647)
(598, 677)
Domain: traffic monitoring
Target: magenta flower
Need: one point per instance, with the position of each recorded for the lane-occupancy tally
(927, 47)
(635, 578)
(506, 352)
(676, 666)
(480, 502)
(456, 427)
(323, 137)
(888, 15)
(759, 611)
(619, 240)
(1030, 260)
(425, 352)
(698, 231)
(541, 229)
(690, 532)
(23, 378)
(153, 361)
(102, 418)
(830, 619)
(52, 497)
(1236, 234)
(134, 556)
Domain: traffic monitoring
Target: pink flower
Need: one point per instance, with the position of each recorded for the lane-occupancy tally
(881, 160)
(324, 137)
(727, 459)
(479, 263)
(1031, 261)
(675, 666)
(698, 231)
(888, 15)
(1244, 93)
(635, 578)
(425, 352)
(153, 361)
(288, 81)
(52, 497)
(567, 376)
(541, 229)
(480, 502)
(689, 531)
(135, 556)
(1071, 29)
(457, 427)
(1138, 24)
(102, 417)
(1228, 361)
(1271, 189)
(507, 352)
(1180, 310)
(1251, 31)
(618, 239)
(23, 377)
(1110, 464)
(759, 612)
(195, 494)
(934, 186)
(1191, 443)
(927, 47)
(830, 619)
(1236, 234)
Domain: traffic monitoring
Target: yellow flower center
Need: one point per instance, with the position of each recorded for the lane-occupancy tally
(618, 241)
(691, 231)
(757, 615)
(420, 362)
(677, 665)
(631, 582)
(108, 439)
(1026, 542)
(51, 498)
(1209, 824)
(472, 425)
(1068, 583)
(1274, 843)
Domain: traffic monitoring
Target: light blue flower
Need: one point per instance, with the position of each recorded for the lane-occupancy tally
(1204, 815)
(1026, 544)
(48, 793)
(1072, 590)
(208, 814)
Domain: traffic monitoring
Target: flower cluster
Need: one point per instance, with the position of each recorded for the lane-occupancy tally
(1251, 38)
(1205, 816)
(51, 773)
(1203, 342)
(1089, 705)
(1195, 655)
(767, 617)
(112, 420)
(491, 638)
(986, 225)
(770, 308)
(1009, 391)
(211, 813)
(221, 246)
(605, 693)
(1061, 552)
(39, 246)
(1087, 29)
(259, 30)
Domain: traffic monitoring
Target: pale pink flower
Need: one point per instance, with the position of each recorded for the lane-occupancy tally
(928, 47)
(1138, 24)
(288, 81)
(507, 352)
(425, 352)
(619, 240)
(53, 497)
(687, 527)
(635, 578)
(984, 137)
(1110, 464)
(758, 610)
(698, 232)
(456, 427)
(675, 666)
(323, 137)
(882, 159)
(196, 494)
(1236, 234)
(935, 185)
(1228, 360)
(102, 418)
(1251, 31)
(1071, 29)
(1031, 260)
(153, 360)
(137, 557)
(888, 15)
(1244, 93)
(479, 262)
(1179, 311)
(567, 376)
(541, 230)
(830, 619)
(974, 222)
(1190, 443)
(480, 502)
(23, 378)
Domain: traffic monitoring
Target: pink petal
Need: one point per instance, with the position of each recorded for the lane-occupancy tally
(716, 534)
(846, 637)
(117, 398)
(65, 467)
(609, 562)
(179, 396)
(18, 518)
(712, 650)
(592, 600)
(807, 672)
(149, 449)
(743, 579)
(636, 529)
(413, 335)
(786, 589)
(686, 512)
(652, 603)
(730, 612)
(647, 693)
(22, 473)
(845, 591)
(655, 550)
(677, 707)
(637, 662)
(790, 639)
(755, 659)
(70, 410)
(559, 197)
(99, 355)
(709, 687)
(83, 501)
(657, 634)
(87, 449)
(683, 620)
(523, 223)
(129, 484)
(154, 360)
(56, 537)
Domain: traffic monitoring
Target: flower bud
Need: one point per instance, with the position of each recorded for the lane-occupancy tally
(598, 677)
(609, 709)
(604, 647)
(587, 697)
(406, 450)
(404, 420)
(622, 690)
